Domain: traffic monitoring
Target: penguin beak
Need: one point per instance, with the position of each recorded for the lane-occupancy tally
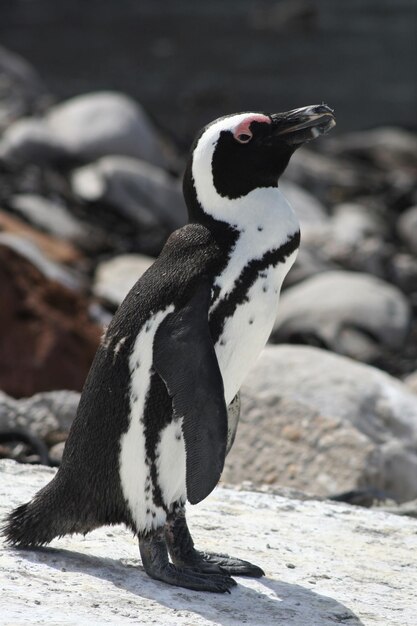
(302, 125)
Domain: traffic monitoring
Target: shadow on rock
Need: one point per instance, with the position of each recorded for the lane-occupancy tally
(272, 602)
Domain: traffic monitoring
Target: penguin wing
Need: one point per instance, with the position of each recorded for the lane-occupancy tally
(185, 359)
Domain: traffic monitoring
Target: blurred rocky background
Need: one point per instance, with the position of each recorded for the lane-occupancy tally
(99, 102)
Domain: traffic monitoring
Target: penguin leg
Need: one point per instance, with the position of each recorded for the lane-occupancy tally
(154, 553)
(183, 553)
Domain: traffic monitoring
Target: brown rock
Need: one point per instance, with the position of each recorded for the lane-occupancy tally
(56, 249)
(47, 340)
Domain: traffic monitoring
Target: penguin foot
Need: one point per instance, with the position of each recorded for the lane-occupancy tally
(154, 553)
(183, 553)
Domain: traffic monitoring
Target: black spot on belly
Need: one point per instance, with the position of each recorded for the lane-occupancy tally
(251, 321)
(260, 228)
(264, 288)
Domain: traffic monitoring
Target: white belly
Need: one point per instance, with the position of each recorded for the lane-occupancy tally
(247, 331)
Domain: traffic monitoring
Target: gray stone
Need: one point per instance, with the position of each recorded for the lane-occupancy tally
(403, 271)
(325, 563)
(411, 381)
(30, 251)
(353, 238)
(86, 127)
(42, 413)
(97, 124)
(30, 141)
(115, 278)
(349, 312)
(325, 424)
(310, 211)
(407, 228)
(56, 452)
(140, 191)
(51, 217)
(388, 147)
(320, 173)
(352, 223)
(309, 262)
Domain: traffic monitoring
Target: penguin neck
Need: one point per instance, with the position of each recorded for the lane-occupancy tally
(262, 214)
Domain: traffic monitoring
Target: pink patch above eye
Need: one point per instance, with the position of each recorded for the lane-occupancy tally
(244, 126)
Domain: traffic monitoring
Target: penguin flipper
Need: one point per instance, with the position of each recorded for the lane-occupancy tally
(185, 359)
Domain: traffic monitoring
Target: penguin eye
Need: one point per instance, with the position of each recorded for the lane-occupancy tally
(243, 138)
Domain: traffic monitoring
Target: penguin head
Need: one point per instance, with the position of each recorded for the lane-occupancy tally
(240, 153)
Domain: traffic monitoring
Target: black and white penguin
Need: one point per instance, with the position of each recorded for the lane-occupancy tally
(159, 409)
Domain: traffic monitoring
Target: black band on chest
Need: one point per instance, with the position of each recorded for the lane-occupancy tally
(227, 306)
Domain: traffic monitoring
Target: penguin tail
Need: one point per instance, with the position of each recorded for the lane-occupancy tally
(39, 521)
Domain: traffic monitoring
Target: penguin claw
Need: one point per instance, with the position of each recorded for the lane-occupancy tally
(231, 565)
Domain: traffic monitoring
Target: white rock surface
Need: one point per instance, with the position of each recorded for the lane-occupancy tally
(351, 313)
(325, 564)
(115, 278)
(323, 423)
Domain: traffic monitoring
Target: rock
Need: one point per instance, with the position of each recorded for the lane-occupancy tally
(316, 555)
(403, 271)
(411, 381)
(139, 191)
(354, 238)
(21, 90)
(310, 211)
(351, 238)
(54, 248)
(331, 179)
(51, 217)
(387, 147)
(309, 262)
(86, 128)
(56, 452)
(348, 312)
(29, 140)
(325, 424)
(352, 223)
(50, 341)
(43, 414)
(407, 228)
(115, 278)
(29, 250)
(97, 124)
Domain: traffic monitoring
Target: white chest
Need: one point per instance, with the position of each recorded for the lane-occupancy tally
(246, 332)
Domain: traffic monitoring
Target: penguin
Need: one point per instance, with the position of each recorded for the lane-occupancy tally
(160, 406)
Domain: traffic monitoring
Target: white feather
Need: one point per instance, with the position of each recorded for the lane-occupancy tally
(170, 463)
(134, 472)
